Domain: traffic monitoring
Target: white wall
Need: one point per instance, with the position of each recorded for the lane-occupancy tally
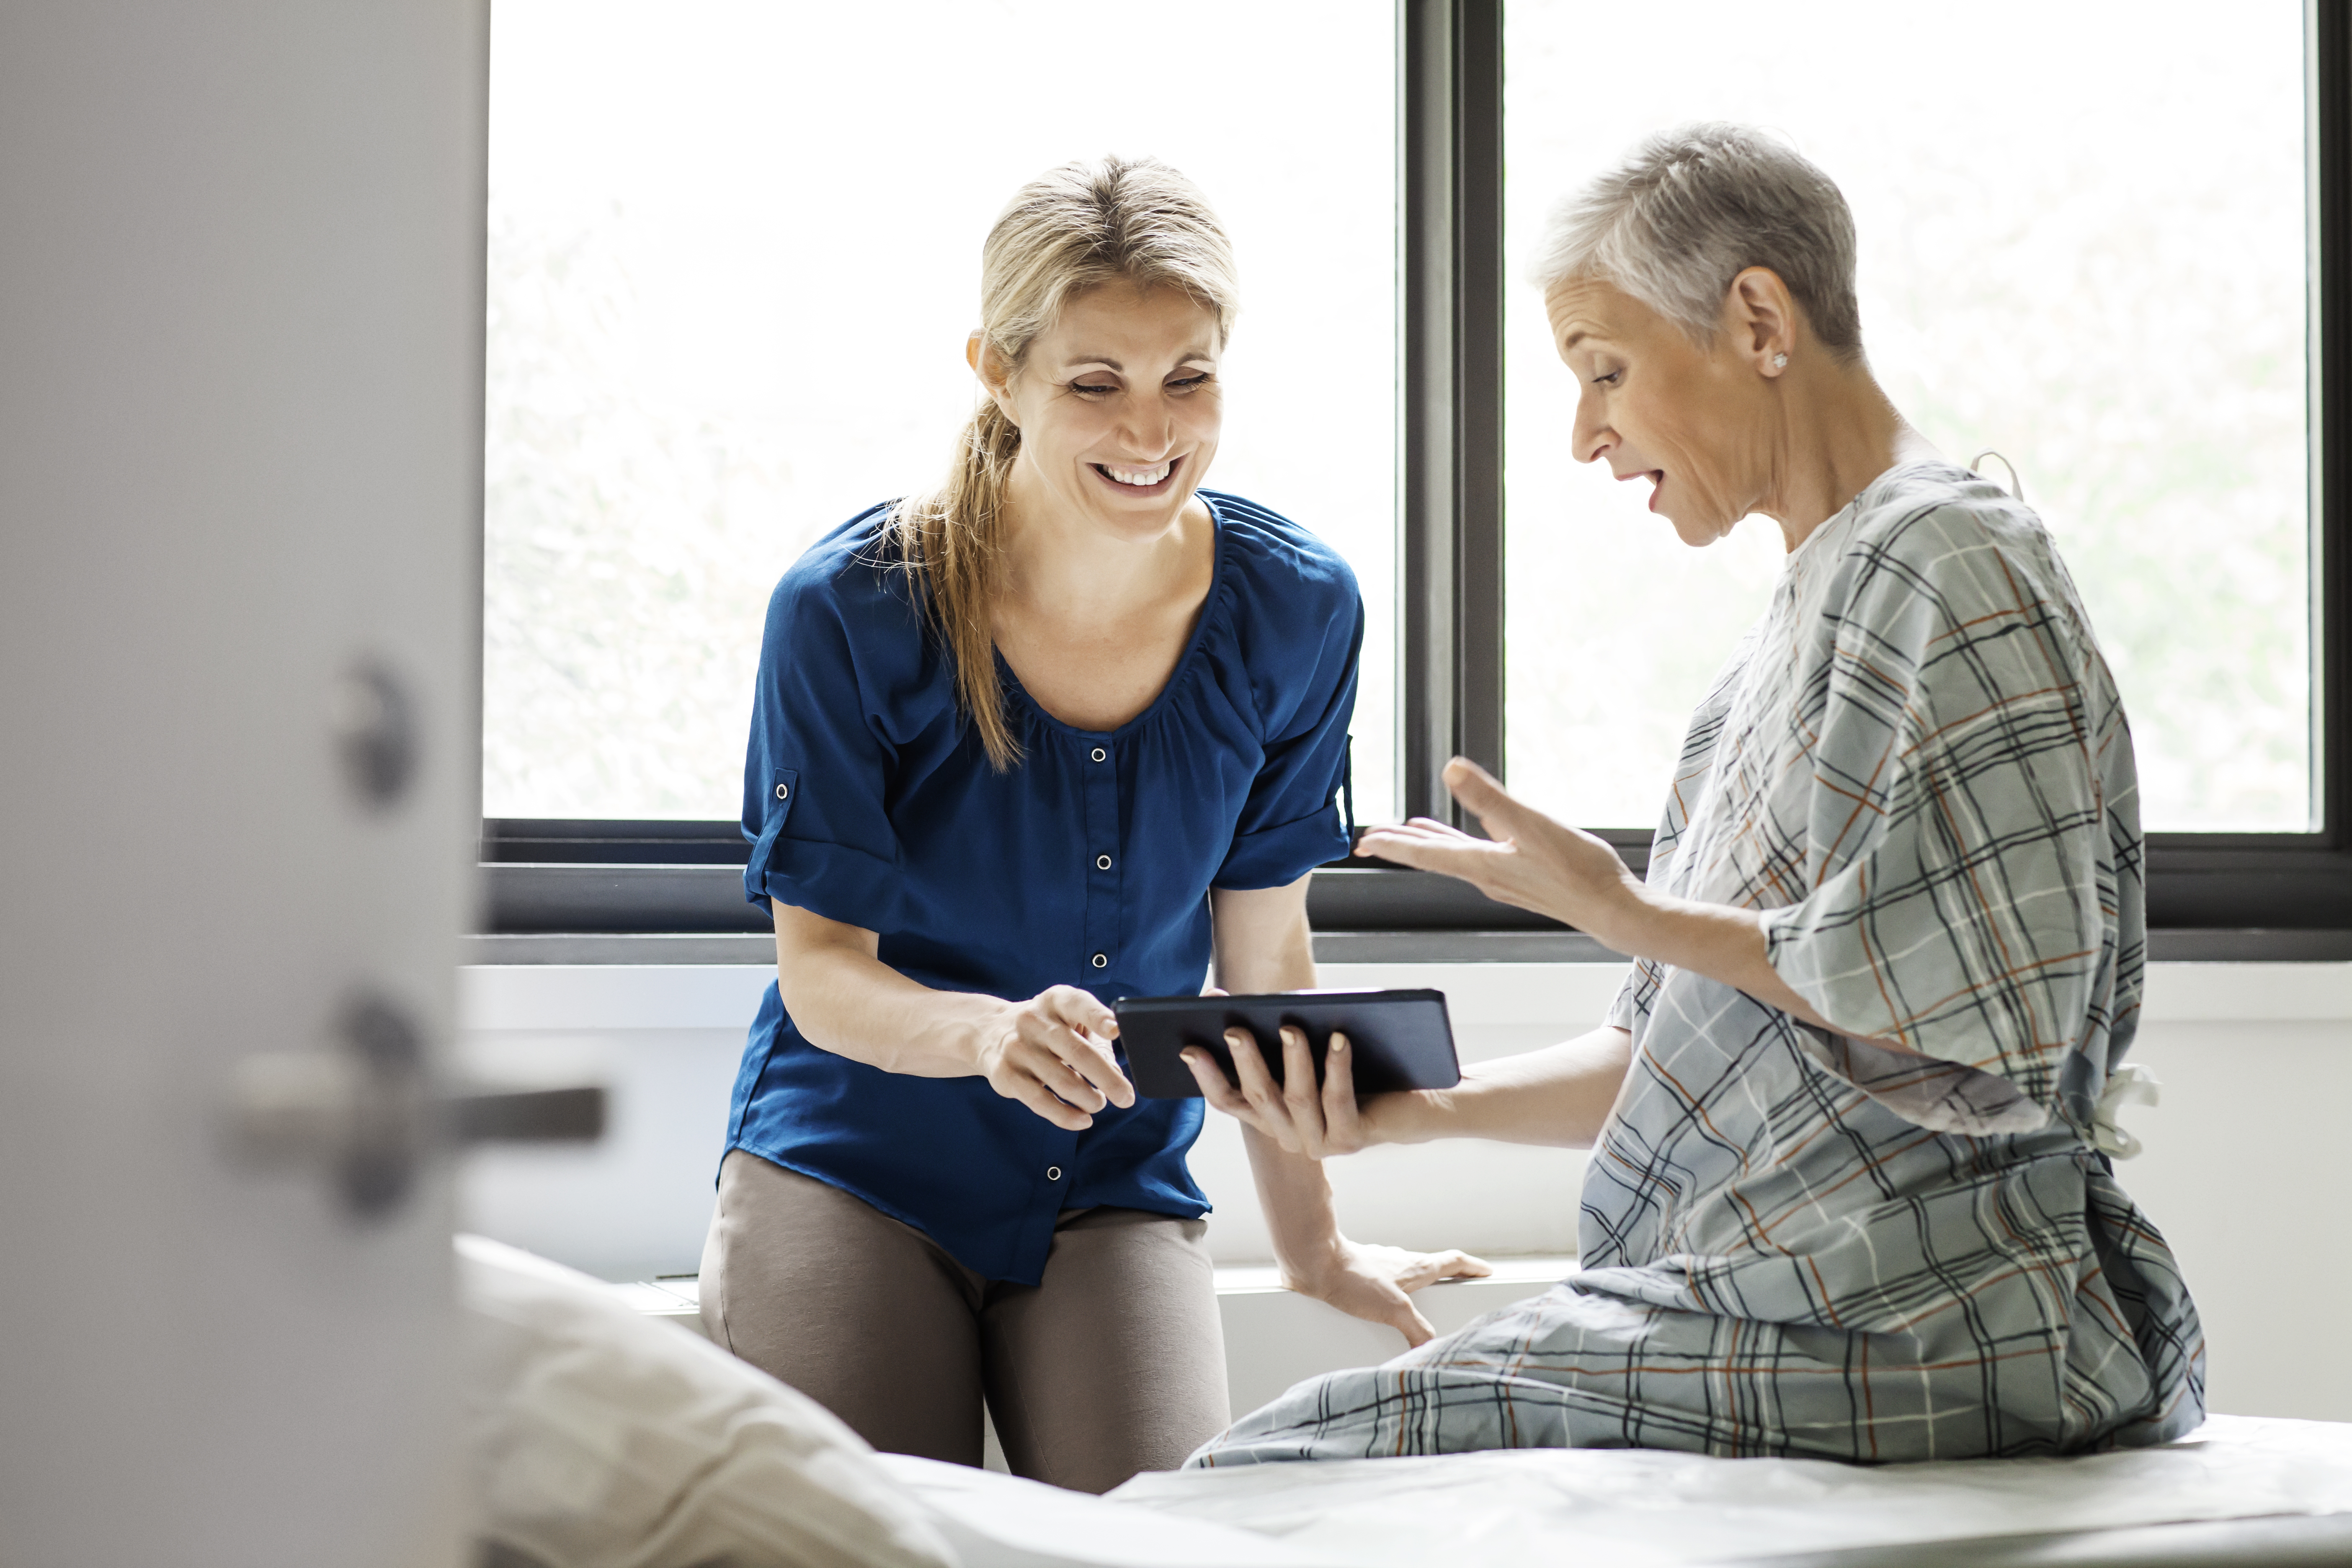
(2243, 1171)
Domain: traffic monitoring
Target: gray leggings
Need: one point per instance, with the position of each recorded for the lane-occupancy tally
(1114, 1363)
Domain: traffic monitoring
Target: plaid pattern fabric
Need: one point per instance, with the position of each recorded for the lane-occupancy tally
(1795, 1242)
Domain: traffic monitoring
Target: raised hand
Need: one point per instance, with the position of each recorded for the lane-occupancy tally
(1531, 861)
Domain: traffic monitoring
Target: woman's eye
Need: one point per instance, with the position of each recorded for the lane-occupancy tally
(1188, 383)
(1080, 386)
(1608, 379)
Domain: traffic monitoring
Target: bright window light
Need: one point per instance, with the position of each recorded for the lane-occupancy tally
(734, 254)
(2083, 245)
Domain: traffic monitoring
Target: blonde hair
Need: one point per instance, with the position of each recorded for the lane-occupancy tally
(1132, 220)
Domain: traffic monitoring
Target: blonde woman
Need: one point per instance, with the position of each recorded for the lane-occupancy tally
(1059, 732)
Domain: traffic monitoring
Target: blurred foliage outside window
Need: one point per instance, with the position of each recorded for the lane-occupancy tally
(2083, 245)
(734, 254)
(732, 260)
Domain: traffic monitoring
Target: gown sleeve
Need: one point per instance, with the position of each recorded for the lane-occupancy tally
(817, 771)
(1635, 997)
(1956, 840)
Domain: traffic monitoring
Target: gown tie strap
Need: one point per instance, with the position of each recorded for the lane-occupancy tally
(2130, 1084)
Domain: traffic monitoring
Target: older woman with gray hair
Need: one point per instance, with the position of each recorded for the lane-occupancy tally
(1851, 1193)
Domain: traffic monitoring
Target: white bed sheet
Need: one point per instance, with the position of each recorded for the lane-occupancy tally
(1629, 1508)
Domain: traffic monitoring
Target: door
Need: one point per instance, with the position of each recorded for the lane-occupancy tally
(240, 485)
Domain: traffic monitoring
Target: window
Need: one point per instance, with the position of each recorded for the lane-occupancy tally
(2083, 245)
(733, 251)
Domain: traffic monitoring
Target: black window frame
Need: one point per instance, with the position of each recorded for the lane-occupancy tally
(2210, 895)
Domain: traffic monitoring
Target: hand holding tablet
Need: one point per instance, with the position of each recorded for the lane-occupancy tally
(1249, 1049)
(1400, 1039)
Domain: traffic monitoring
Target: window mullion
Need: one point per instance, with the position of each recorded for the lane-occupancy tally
(2331, 345)
(1450, 544)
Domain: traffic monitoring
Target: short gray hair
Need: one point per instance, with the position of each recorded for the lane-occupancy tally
(1695, 206)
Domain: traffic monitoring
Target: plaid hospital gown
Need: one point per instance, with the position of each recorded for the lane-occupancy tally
(1797, 1243)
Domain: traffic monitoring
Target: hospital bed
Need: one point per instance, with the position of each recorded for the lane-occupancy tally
(564, 1376)
(2240, 1491)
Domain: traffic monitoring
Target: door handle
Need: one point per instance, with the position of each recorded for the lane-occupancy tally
(573, 1115)
(365, 1112)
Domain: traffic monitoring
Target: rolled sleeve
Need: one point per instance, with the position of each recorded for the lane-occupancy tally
(1290, 823)
(816, 773)
(1279, 856)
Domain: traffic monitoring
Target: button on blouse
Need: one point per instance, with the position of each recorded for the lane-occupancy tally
(869, 800)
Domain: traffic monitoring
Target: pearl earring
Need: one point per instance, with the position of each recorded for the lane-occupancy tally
(1779, 361)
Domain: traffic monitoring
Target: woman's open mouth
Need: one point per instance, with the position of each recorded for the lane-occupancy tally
(1657, 478)
(1150, 481)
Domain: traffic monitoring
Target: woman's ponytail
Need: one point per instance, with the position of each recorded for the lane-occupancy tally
(950, 542)
(1077, 227)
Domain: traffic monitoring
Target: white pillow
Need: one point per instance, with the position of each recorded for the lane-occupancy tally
(599, 1438)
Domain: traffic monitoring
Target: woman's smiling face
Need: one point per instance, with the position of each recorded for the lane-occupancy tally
(1118, 407)
(1658, 407)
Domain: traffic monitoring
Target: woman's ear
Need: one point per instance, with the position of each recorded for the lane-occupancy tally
(1760, 317)
(986, 365)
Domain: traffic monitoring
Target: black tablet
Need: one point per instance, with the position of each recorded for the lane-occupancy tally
(1401, 1039)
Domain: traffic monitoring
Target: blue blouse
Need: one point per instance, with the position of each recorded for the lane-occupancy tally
(869, 800)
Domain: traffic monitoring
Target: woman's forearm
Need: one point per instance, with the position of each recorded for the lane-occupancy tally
(1295, 1195)
(1539, 864)
(1051, 1053)
(1265, 943)
(1560, 1097)
(844, 999)
(1721, 941)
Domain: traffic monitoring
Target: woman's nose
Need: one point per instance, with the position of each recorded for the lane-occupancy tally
(1590, 437)
(1148, 428)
